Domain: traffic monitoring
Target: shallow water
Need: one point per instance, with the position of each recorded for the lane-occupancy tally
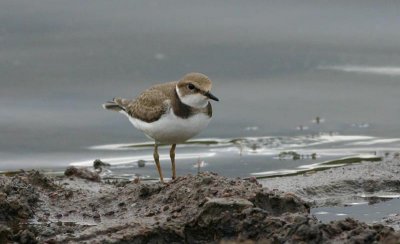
(251, 156)
(384, 207)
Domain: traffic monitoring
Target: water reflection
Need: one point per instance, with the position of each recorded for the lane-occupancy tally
(262, 157)
(362, 210)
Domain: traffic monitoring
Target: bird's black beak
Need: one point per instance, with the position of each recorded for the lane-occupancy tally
(211, 96)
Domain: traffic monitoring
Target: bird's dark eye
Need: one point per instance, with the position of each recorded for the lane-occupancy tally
(191, 86)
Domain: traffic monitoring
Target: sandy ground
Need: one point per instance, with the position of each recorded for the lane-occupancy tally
(204, 208)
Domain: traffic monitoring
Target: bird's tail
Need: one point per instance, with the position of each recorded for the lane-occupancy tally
(112, 105)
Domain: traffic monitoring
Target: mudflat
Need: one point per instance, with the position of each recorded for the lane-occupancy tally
(203, 208)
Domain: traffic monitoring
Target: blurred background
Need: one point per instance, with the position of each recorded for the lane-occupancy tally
(282, 69)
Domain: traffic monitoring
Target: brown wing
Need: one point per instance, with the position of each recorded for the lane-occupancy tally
(148, 107)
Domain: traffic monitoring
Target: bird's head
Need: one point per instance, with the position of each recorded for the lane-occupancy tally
(194, 90)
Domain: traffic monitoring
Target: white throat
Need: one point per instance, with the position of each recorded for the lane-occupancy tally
(193, 100)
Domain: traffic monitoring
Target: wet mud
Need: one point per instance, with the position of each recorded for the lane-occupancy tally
(341, 185)
(204, 208)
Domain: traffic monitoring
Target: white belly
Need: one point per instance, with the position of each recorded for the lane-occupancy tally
(171, 129)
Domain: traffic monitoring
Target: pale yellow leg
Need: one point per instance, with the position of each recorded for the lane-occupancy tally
(157, 161)
(172, 155)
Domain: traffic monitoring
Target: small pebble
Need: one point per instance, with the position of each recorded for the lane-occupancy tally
(253, 179)
(149, 214)
(207, 180)
(48, 232)
(141, 163)
(109, 213)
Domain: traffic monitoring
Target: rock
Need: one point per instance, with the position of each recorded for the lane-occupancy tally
(82, 173)
(18, 198)
(5, 234)
(96, 215)
(253, 179)
(26, 237)
(141, 163)
(278, 203)
(97, 164)
(146, 190)
(207, 180)
(39, 179)
(48, 232)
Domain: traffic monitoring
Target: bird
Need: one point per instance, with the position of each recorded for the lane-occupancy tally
(169, 113)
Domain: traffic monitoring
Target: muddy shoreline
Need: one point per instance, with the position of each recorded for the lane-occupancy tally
(204, 208)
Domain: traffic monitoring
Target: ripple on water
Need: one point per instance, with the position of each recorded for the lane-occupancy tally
(246, 156)
(363, 211)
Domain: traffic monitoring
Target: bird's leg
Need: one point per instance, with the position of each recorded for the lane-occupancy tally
(157, 161)
(172, 155)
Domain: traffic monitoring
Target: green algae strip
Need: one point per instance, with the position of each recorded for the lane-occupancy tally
(352, 160)
(10, 173)
(324, 166)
